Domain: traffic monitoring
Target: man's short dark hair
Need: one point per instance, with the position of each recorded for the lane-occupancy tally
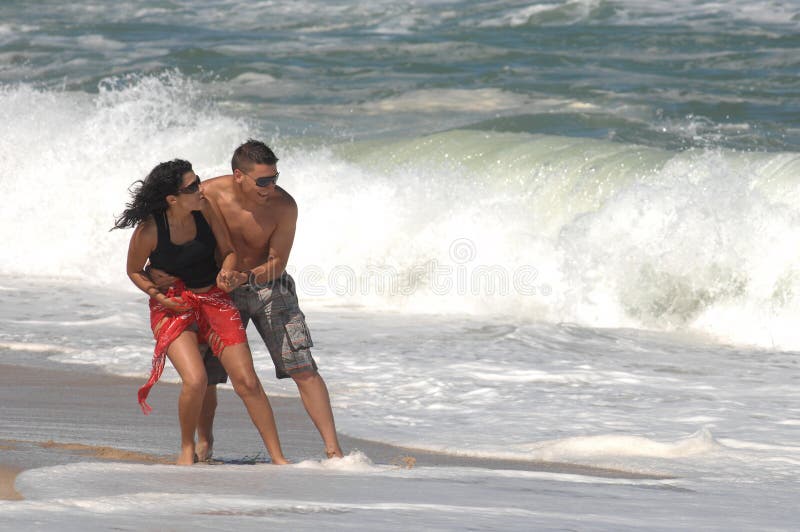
(250, 153)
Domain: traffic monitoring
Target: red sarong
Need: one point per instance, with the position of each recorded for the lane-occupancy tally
(218, 322)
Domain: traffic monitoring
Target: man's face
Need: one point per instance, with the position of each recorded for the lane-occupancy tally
(259, 181)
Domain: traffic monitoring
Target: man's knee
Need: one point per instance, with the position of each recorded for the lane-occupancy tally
(211, 395)
(247, 385)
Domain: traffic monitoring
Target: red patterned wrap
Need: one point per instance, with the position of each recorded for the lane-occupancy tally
(218, 325)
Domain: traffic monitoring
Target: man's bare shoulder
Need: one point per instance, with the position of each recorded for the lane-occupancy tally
(284, 202)
(222, 182)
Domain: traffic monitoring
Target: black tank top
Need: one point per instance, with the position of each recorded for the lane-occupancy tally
(193, 262)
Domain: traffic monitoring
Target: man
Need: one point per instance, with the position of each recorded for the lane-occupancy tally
(262, 218)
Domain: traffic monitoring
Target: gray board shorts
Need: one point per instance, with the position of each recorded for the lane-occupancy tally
(275, 312)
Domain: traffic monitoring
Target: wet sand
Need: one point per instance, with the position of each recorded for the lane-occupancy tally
(50, 417)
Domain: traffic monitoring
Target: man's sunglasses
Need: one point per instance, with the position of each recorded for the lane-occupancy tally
(190, 188)
(266, 180)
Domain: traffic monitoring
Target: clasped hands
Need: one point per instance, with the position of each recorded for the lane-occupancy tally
(227, 280)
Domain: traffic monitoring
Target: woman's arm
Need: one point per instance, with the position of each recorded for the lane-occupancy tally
(143, 242)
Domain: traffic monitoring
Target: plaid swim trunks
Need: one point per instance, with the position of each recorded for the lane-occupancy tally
(276, 314)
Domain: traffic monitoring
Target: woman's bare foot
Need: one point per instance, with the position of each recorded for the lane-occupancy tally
(334, 454)
(279, 461)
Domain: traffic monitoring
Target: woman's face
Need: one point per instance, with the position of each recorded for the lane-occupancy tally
(190, 194)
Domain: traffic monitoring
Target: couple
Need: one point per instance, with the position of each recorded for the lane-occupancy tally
(217, 256)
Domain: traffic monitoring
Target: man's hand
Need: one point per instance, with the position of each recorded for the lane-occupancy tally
(160, 278)
(227, 280)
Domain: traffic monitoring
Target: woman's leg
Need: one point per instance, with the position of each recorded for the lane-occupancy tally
(185, 356)
(238, 362)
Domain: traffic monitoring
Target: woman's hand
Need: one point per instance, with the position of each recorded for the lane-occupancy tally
(160, 278)
(227, 280)
(176, 305)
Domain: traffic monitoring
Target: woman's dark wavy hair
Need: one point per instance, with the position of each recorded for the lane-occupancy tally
(150, 196)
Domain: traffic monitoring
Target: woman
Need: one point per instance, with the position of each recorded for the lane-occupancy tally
(179, 232)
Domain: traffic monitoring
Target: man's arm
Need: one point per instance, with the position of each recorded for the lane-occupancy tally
(280, 246)
(228, 277)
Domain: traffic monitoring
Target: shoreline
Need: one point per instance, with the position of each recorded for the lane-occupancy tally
(58, 416)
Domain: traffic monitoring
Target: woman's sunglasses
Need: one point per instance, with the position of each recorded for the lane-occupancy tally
(190, 188)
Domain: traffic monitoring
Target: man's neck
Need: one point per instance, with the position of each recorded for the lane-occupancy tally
(248, 203)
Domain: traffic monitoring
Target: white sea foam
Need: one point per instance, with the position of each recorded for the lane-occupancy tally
(656, 12)
(354, 462)
(738, 444)
(568, 11)
(448, 100)
(35, 347)
(97, 151)
(613, 445)
(105, 320)
(98, 42)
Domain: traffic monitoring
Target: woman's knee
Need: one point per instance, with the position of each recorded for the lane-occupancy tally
(195, 384)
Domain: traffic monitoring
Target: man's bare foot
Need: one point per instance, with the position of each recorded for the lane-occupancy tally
(186, 456)
(334, 454)
(204, 450)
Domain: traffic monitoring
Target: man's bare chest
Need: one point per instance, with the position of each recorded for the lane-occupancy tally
(250, 229)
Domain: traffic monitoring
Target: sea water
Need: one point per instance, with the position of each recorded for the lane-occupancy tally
(559, 230)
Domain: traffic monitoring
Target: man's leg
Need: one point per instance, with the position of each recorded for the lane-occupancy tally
(314, 394)
(205, 425)
(281, 324)
(238, 363)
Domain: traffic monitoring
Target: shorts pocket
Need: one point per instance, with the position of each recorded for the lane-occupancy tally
(297, 333)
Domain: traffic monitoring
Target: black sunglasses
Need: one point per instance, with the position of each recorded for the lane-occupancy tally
(190, 188)
(266, 180)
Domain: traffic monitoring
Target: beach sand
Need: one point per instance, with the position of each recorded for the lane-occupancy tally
(52, 417)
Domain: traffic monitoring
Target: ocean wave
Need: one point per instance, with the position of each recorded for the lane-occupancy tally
(615, 235)
(632, 12)
(544, 227)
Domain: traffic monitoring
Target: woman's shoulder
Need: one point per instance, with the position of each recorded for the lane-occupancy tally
(147, 229)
